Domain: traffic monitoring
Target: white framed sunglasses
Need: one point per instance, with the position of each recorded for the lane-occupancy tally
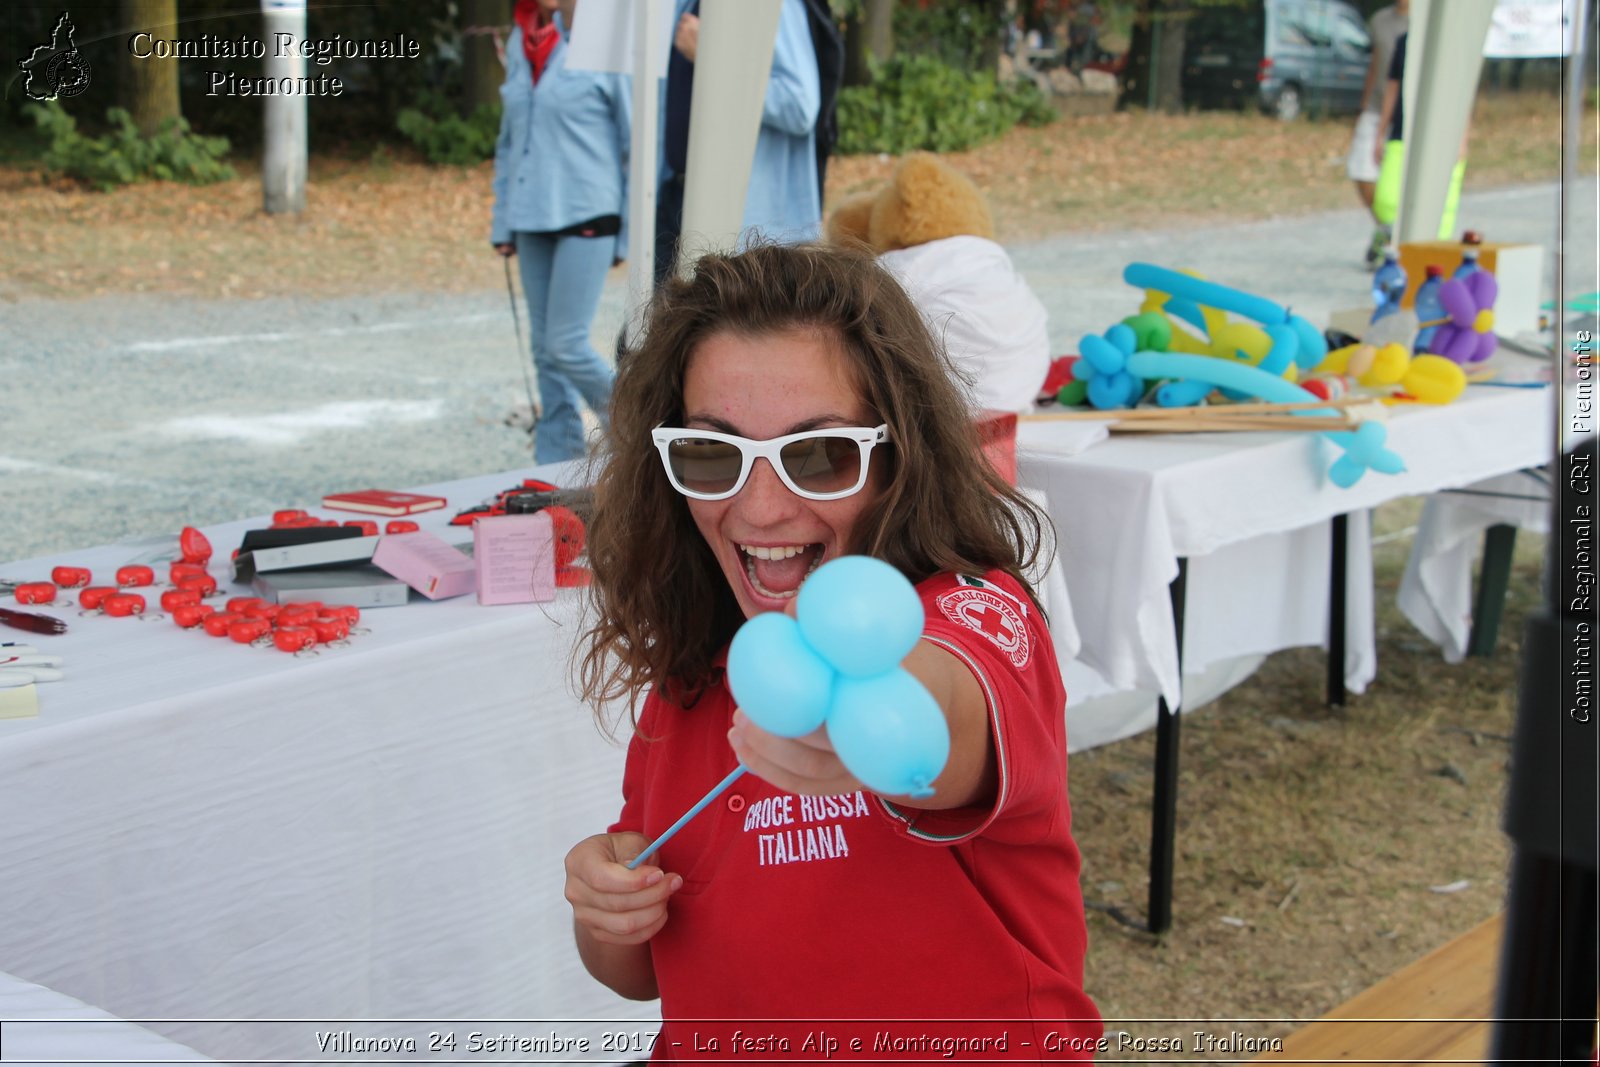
(823, 464)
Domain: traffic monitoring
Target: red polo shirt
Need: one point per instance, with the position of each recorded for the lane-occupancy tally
(806, 924)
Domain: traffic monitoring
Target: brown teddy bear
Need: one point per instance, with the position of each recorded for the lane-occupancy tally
(931, 228)
(926, 200)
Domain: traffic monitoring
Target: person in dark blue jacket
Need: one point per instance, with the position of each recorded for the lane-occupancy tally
(560, 207)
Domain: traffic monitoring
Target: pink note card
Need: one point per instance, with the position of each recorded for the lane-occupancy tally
(516, 557)
(425, 563)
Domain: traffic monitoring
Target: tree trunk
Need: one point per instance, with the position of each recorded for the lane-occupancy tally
(1169, 64)
(150, 86)
(481, 70)
(1153, 74)
(1132, 81)
(869, 35)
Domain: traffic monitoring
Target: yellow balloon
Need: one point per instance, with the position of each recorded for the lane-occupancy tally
(1389, 366)
(1434, 379)
(1241, 342)
(1337, 361)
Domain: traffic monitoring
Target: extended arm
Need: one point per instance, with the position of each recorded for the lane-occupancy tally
(794, 90)
(1373, 73)
(516, 68)
(808, 765)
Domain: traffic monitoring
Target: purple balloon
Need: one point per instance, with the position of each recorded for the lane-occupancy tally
(1458, 303)
(1456, 343)
(1463, 299)
(1484, 288)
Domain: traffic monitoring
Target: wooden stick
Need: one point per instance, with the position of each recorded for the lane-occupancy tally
(1309, 423)
(1225, 410)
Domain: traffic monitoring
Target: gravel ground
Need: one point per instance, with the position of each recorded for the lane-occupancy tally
(130, 416)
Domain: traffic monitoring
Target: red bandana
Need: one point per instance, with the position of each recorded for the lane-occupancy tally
(539, 35)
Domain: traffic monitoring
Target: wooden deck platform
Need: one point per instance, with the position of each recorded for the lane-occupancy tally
(1455, 982)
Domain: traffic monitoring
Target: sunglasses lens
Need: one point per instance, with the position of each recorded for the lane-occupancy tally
(823, 464)
(702, 465)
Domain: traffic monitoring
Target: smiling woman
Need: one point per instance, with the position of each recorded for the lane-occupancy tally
(788, 406)
(824, 339)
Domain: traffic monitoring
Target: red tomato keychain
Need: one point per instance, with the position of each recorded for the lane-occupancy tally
(193, 546)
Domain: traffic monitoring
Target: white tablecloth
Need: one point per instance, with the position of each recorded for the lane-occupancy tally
(1436, 591)
(39, 1025)
(1250, 512)
(198, 830)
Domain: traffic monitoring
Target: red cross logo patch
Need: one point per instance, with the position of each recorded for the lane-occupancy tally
(992, 616)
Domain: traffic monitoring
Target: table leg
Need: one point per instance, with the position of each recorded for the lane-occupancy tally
(1499, 541)
(1338, 558)
(1164, 804)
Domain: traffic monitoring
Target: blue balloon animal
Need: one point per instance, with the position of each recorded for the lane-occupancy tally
(838, 664)
(1365, 448)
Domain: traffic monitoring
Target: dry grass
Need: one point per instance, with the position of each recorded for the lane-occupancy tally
(387, 225)
(1134, 170)
(1323, 830)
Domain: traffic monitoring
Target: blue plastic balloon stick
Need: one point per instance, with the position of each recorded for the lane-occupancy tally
(1188, 287)
(716, 791)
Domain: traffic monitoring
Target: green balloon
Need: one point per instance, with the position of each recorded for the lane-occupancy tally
(1073, 394)
(1151, 330)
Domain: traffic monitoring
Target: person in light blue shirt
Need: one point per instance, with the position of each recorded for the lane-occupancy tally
(783, 201)
(560, 207)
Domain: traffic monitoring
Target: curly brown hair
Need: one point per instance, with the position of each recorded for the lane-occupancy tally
(663, 608)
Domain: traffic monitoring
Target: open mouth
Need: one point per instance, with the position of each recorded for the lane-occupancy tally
(777, 571)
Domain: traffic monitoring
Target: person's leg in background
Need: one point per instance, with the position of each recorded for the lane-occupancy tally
(559, 433)
(1362, 169)
(1386, 195)
(577, 276)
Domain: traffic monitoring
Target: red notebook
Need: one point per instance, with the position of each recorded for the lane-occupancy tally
(382, 502)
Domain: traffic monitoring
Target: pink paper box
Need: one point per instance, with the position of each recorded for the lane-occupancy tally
(516, 557)
(426, 564)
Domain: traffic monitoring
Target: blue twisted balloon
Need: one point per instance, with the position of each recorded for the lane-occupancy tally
(1365, 448)
(1298, 340)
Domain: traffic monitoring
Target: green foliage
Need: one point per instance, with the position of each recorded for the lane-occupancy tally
(960, 33)
(917, 102)
(443, 136)
(123, 156)
(1031, 103)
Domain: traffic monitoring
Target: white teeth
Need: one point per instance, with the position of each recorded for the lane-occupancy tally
(753, 552)
(776, 552)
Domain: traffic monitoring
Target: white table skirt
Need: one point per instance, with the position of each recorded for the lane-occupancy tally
(1436, 591)
(40, 1025)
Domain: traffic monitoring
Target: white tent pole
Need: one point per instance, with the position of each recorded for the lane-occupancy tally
(284, 148)
(732, 64)
(1444, 55)
(1572, 121)
(642, 156)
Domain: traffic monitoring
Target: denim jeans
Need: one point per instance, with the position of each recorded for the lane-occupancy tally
(562, 278)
